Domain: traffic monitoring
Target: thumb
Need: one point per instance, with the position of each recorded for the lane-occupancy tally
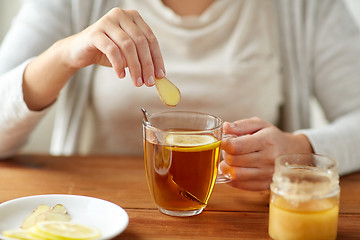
(231, 129)
(245, 126)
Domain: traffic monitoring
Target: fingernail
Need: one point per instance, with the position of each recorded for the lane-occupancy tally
(139, 82)
(151, 80)
(160, 73)
(122, 74)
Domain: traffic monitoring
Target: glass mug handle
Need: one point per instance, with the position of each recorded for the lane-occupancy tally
(221, 177)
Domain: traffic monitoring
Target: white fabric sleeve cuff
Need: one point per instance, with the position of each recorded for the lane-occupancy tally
(338, 140)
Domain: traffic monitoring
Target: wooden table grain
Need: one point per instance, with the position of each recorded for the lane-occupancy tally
(230, 214)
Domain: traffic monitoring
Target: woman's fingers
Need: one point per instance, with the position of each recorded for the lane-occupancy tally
(242, 144)
(251, 185)
(122, 30)
(153, 44)
(246, 173)
(250, 156)
(128, 48)
(137, 39)
(245, 126)
(250, 160)
(247, 177)
(113, 55)
(249, 136)
(121, 39)
(146, 44)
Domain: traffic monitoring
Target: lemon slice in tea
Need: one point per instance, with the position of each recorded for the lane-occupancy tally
(67, 231)
(191, 142)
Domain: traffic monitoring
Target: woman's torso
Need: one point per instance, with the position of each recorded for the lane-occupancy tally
(225, 62)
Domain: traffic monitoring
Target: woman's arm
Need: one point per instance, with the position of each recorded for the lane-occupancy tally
(119, 39)
(334, 70)
(336, 74)
(28, 37)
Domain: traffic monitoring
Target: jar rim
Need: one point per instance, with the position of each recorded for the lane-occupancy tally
(305, 176)
(307, 160)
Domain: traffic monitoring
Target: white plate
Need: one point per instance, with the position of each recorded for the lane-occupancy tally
(108, 217)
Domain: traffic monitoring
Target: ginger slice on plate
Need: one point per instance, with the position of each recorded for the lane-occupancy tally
(46, 213)
(31, 219)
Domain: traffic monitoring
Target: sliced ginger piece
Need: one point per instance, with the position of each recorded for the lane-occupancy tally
(168, 92)
(41, 214)
(53, 216)
(31, 219)
(45, 213)
(57, 213)
(58, 208)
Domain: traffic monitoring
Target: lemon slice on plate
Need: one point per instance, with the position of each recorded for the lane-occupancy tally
(58, 230)
(19, 234)
(191, 142)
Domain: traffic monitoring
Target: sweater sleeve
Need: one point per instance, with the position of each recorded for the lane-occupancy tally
(336, 72)
(339, 140)
(16, 120)
(37, 26)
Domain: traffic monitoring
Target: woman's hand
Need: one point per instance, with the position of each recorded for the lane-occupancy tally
(119, 39)
(249, 158)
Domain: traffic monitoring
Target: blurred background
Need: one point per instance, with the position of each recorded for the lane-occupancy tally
(40, 139)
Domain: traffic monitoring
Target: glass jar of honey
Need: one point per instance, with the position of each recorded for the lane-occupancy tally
(304, 200)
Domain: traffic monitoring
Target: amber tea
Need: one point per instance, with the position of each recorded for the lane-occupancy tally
(181, 152)
(181, 173)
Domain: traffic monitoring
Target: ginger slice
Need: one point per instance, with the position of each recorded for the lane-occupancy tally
(168, 92)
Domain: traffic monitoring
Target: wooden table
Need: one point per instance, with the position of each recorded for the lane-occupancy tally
(230, 214)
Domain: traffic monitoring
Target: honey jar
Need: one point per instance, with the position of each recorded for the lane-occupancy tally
(304, 199)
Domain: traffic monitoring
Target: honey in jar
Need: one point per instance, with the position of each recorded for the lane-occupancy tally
(304, 201)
